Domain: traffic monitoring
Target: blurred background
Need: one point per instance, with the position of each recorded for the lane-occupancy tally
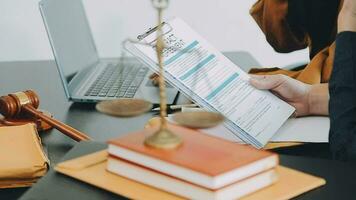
(225, 23)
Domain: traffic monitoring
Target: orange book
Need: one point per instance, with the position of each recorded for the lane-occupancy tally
(202, 159)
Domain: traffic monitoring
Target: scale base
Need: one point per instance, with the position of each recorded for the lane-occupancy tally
(164, 139)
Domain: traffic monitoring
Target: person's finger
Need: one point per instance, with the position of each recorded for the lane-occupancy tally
(257, 76)
(267, 82)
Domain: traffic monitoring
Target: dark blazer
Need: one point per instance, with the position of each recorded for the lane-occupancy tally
(342, 105)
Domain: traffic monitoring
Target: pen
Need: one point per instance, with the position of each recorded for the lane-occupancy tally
(176, 107)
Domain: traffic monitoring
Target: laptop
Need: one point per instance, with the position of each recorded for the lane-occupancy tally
(85, 76)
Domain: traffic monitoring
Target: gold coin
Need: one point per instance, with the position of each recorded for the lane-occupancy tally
(198, 119)
(124, 107)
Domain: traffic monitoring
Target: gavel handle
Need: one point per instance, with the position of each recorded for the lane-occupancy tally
(65, 129)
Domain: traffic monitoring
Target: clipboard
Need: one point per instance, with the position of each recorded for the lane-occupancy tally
(192, 65)
(92, 169)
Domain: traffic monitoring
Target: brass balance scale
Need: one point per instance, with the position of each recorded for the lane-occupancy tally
(164, 138)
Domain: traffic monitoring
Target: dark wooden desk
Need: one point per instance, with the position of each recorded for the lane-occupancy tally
(42, 77)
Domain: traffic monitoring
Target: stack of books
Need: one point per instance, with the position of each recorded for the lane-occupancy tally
(203, 167)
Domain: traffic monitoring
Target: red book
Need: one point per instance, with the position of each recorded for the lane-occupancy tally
(204, 160)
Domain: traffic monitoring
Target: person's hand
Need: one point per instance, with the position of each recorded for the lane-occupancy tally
(347, 16)
(288, 89)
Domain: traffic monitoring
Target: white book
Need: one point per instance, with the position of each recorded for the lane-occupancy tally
(189, 190)
(213, 82)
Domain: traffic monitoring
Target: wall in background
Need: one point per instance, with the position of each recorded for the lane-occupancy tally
(225, 23)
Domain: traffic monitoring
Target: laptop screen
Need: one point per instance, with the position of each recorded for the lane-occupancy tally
(69, 34)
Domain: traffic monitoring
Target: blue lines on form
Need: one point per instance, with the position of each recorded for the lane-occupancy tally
(222, 86)
(197, 67)
(181, 52)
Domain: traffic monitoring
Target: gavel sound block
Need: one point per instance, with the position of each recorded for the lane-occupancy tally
(20, 104)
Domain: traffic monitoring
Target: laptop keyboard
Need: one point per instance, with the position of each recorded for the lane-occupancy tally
(119, 82)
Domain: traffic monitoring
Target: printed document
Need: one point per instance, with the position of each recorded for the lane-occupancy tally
(201, 72)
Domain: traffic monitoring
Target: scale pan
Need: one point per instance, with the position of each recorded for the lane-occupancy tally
(199, 120)
(124, 107)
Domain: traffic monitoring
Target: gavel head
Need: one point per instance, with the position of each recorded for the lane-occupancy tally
(11, 105)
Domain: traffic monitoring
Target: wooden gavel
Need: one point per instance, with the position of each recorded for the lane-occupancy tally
(20, 103)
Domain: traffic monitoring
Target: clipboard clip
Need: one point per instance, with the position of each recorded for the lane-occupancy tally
(166, 28)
